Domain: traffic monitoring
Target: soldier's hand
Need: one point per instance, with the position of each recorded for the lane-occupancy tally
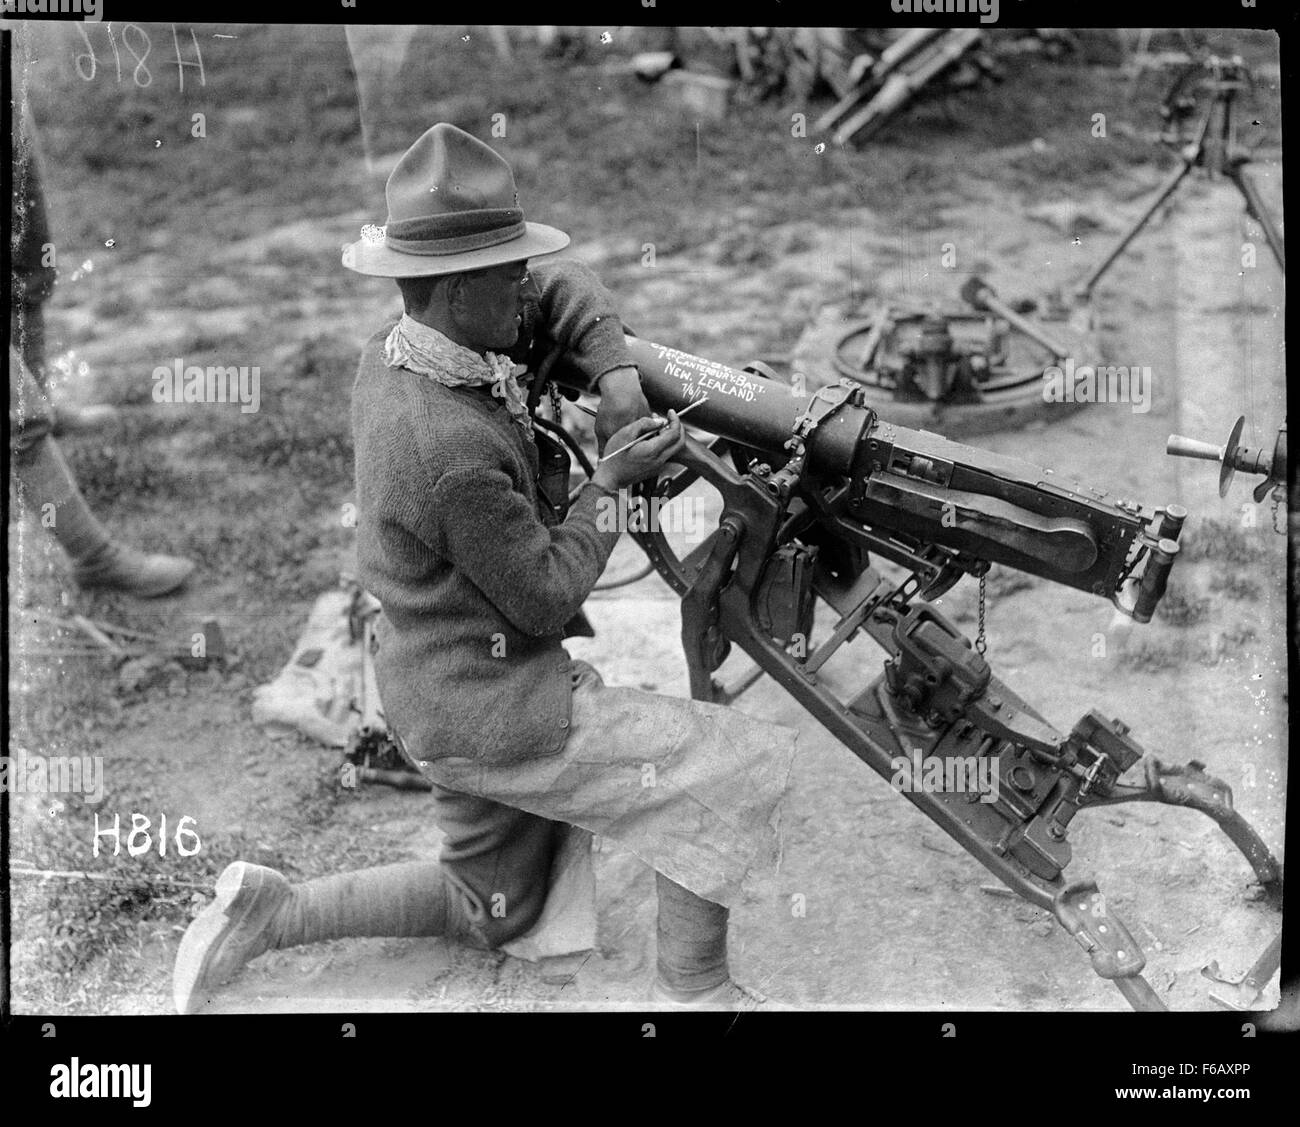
(642, 458)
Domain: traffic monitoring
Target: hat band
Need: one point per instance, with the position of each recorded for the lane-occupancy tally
(455, 233)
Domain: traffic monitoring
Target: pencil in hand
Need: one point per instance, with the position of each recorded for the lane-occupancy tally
(657, 430)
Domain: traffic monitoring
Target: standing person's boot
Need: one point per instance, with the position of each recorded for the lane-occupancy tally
(255, 910)
(119, 568)
(47, 487)
(692, 960)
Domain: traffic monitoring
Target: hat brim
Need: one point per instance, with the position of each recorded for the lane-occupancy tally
(381, 261)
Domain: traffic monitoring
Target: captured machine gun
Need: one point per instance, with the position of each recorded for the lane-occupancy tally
(813, 487)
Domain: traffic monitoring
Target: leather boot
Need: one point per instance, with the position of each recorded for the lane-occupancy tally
(118, 568)
(48, 489)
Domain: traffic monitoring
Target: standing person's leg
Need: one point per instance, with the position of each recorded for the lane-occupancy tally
(47, 488)
(32, 251)
(32, 257)
(45, 482)
(27, 331)
(488, 887)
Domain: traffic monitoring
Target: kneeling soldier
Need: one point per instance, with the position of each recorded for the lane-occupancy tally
(481, 580)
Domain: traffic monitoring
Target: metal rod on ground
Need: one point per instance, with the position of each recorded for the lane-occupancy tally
(983, 297)
(95, 634)
(124, 631)
(59, 651)
(72, 620)
(67, 874)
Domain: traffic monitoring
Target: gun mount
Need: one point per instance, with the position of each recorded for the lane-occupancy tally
(812, 488)
(964, 369)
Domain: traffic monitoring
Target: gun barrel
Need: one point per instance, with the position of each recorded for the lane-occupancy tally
(746, 408)
(761, 414)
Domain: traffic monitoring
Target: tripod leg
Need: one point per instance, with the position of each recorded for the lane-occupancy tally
(1257, 211)
(1115, 954)
(1084, 292)
(1137, 990)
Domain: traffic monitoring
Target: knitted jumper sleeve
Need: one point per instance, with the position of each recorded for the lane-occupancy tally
(537, 577)
(578, 313)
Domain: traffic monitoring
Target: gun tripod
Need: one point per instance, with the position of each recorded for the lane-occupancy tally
(1213, 148)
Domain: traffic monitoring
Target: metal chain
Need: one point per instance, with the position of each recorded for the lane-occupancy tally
(1277, 504)
(556, 400)
(980, 644)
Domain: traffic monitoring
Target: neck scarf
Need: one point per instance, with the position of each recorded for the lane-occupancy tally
(427, 352)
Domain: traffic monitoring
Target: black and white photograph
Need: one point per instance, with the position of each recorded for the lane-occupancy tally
(646, 518)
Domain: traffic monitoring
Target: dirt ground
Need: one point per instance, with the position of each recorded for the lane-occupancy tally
(895, 914)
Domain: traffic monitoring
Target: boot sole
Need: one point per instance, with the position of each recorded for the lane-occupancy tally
(203, 938)
(152, 591)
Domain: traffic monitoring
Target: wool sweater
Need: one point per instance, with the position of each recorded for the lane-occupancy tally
(476, 579)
